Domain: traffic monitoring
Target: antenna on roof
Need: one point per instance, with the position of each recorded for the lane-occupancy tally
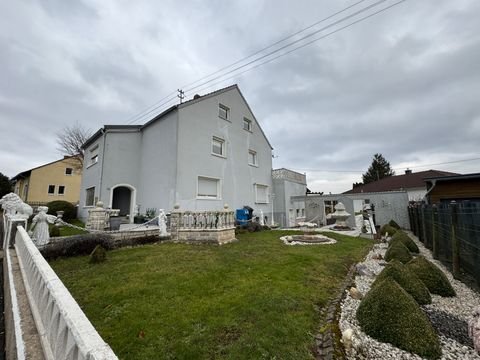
(181, 95)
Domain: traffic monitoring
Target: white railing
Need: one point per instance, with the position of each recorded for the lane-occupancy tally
(64, 330)
(190, 220)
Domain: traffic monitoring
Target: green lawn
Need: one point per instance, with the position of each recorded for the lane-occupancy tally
(69, 231)
(253, 299)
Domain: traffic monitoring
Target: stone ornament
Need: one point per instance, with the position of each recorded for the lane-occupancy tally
(41, 233)
(10, 203)
(340, 216)
(162, 223)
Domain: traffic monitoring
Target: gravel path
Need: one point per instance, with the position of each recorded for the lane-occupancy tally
(449, 315)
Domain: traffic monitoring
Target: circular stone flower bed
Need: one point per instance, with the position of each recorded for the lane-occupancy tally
(307, 240)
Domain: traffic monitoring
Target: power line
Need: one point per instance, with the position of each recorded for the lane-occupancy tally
(397, 168)
(297, 48)
(141, 115)
(275, 43)
(302, 39)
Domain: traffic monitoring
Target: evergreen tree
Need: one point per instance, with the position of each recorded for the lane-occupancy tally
(5, 185)
(379, 169)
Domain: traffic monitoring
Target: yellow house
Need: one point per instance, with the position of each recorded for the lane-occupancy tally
(58, 180)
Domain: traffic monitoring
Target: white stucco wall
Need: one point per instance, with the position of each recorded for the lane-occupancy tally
(198, 124)
(158, 164)
(163, 160)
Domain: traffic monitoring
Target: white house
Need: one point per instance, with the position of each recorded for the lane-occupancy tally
(201, 154)
(290, 189)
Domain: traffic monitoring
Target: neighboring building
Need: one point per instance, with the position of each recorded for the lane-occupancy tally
(201, 154)
(58, 180)
(412, 183)
(456, 187)
(287, 184)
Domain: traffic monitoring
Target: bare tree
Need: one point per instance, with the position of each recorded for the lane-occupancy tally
(70, 141)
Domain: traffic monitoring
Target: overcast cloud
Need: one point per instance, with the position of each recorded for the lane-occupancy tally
(404, 83)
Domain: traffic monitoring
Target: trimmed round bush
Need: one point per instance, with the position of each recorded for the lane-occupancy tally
(389, 314)
(407, 280)
(54, 231)
(398, 251)
(393, 224)
(387, 228)
(69, 210)
(405, 240)
(433, 278)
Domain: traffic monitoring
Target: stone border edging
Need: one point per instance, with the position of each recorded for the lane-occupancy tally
(326, 342)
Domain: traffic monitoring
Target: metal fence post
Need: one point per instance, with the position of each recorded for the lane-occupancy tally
(424, 226)
(417, 215)
(434, 232)
(455, 241)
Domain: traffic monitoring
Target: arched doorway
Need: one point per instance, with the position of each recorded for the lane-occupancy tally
(123, 197)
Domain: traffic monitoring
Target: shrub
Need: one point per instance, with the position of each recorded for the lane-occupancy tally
(389, 314)
(407, 280)
(54, 231)
(393, 224)
(405, 240)
(77, 245)
(98, 255)
(387, 228)
(434, 279)
(69, 210)
(398, 251)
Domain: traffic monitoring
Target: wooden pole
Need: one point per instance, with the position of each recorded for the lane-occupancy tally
(424, 227)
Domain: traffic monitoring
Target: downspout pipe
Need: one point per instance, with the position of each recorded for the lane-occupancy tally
(104, 133)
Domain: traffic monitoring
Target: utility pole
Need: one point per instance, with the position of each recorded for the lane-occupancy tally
(181, 95)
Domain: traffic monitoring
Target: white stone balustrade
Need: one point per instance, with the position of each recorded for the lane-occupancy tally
(64, 330)
(203, 226)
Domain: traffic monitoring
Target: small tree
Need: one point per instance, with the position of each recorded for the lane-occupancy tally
(70, 141)
(5, 185)
(379, 169)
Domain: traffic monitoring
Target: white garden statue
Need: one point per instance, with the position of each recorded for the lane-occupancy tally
(10, 202)
(41, 234)
(262, 218)
(162, 222)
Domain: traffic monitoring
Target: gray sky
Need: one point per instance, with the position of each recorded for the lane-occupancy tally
(404, 83)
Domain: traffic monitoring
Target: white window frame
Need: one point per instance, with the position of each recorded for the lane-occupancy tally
(93, 156)
(58, 191)
(223, 112)
(220, 141)
(71, 171)
(247, 124)
(254, 155)
(267, 193)
(93, 197)
(219, 188)
(48, 190)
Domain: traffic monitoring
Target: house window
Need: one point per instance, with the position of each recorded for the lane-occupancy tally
(25, 191)
(252, 158)
(93, 156)
(261, 194)
(61, 190)
(68, 171)
(51, 189)
(208, 188)
(298, 213)
(247, 124)
(90, 196)
(223, 112)
(218, 146)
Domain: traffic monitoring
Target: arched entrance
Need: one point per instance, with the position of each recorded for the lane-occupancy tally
(123, 197)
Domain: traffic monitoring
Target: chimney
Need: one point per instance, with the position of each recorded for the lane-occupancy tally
(408, 172)
(196, 96)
